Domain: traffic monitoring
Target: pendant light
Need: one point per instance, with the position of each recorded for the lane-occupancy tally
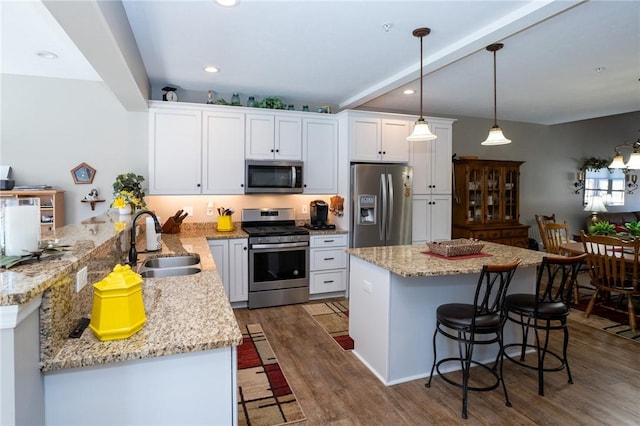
(495, 134)
(421, 130)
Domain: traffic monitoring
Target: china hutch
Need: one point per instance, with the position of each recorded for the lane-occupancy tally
(486, 201)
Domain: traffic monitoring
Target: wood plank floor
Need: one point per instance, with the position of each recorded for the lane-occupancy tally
(334, 388)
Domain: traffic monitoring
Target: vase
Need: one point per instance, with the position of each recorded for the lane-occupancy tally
(126, 210)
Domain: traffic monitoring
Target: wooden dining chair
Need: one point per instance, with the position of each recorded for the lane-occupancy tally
(556, 234)
(541, 219)
(613, 266)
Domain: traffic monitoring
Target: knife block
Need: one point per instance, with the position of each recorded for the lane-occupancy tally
(171, 227)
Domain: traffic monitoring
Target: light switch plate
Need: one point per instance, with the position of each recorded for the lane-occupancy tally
(81, 279)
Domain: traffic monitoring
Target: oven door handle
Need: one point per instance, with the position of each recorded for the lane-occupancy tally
(279, 245)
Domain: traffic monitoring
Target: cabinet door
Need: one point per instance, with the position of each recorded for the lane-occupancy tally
(395, 147)
(223, 153)
(440, 159)
(320, 155)
(260, 136)
(365, 139)
(175, 151)
(431, 161)
(220, 252)
(288, 138)
(431, 218)
(238, 270)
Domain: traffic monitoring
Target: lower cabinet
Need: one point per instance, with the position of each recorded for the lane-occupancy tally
(431, 218)
(328, 263)
(232, 262)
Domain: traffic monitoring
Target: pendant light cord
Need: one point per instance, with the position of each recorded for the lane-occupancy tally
(495, 91)
(421, 78)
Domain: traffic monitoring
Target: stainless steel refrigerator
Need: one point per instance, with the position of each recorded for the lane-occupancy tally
(381, 205)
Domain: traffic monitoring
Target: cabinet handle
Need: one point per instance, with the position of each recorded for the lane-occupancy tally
(379, 152)
(305, 185)
(384, 152)
(244, 248)
(241, 185)
(271, 150)
(277, 150)
(329, 258)
(327, 282)
(198, 185)
(329, 241)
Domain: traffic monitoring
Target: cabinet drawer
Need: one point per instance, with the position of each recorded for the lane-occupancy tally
(515, 232)
(322, 259)
(335, 240)
(488, 234)
(325, 282)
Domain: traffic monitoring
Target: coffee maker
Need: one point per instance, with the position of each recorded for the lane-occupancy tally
(319, 212)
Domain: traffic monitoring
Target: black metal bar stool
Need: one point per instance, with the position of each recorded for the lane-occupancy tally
(464, 322)
(545, 310)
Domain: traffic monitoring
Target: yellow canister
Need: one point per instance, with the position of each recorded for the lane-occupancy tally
(118, 308)
(225, 223)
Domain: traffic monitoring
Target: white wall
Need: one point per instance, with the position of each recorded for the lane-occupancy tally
(49, 126)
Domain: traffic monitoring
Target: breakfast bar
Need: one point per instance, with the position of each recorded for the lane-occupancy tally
(394, 294)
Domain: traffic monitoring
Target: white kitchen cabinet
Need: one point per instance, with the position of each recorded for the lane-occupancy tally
(232, 263)
(328, 263)
(273, 137)
(431, 160)
(431, 218)
(223, 152)
(320, 155)
(377, 139)
(175, 151)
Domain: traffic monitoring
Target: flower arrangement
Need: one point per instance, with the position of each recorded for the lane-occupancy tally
(127, 189)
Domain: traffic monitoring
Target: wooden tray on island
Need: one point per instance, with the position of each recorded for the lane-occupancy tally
(458, 247)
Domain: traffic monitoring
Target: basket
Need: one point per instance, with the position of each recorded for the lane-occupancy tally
(459, 247)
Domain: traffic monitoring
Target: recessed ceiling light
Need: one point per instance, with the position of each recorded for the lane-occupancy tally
(600, 69)
(45, 54)
(409, 92)
(211, 69)
(227, 3)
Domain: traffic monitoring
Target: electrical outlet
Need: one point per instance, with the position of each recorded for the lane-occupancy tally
(81, 279)
(188, 209)
(305, 209)
(210, 209)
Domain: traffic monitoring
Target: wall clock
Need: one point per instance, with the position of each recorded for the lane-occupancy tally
(83, 173)
(170, 94)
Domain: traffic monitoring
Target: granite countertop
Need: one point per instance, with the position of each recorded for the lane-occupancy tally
(410, 261)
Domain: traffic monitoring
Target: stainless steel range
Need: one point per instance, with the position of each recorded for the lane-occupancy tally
(278, 258)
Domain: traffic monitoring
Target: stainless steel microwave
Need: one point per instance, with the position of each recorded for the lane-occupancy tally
(273, 177)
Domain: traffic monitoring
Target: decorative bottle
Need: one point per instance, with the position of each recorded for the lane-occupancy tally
(235, 99)
(251, 102)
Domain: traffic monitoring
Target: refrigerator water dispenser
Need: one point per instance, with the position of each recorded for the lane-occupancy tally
(367, 209)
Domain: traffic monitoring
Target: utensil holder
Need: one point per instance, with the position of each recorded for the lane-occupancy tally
(225, 223)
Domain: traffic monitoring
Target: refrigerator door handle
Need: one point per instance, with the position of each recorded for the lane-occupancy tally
(382, 225)
(389, 204)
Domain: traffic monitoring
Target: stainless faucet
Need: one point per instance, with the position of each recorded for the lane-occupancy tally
(133, 253)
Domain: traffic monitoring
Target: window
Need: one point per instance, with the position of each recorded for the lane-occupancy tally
(605, 183)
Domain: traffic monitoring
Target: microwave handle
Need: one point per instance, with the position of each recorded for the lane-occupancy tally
(294, 176)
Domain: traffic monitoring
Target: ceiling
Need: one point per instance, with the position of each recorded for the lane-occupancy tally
(562, 61)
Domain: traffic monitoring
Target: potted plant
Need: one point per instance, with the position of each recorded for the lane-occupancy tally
(128, 193)
(602, 228)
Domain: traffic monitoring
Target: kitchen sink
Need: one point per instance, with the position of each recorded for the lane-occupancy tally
(169, 272)
(171, 262)
(170, 266)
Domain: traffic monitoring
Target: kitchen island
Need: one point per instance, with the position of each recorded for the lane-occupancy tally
(394, 294)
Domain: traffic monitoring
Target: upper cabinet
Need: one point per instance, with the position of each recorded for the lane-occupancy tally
(175, 151)
(431, 160)
(223, 152)
(273, 137)
(194, 151)
(378, 139)
(320, 155)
